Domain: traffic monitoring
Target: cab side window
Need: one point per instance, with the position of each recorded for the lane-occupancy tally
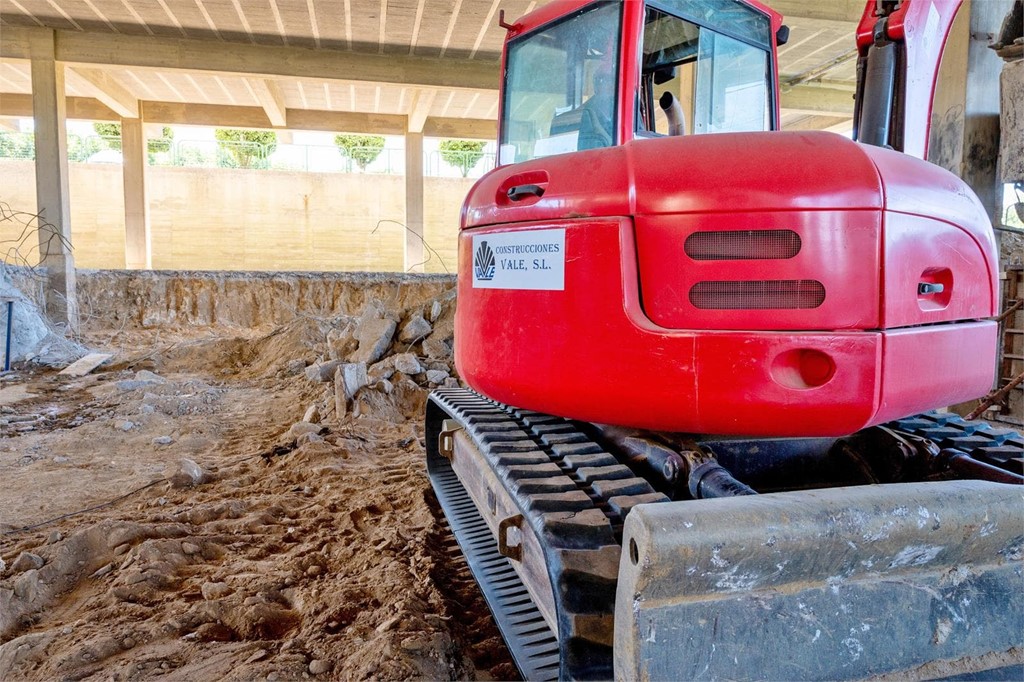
(561, 85)
(695, 80)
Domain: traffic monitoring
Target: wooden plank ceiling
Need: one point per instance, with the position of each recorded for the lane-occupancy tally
(818, 53)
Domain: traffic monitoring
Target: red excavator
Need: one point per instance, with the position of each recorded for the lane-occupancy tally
(699, 350)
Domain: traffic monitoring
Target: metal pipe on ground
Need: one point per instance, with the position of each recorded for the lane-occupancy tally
(10, 332)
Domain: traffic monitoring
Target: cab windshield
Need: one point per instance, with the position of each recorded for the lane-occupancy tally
(705, 68)
(560, 86)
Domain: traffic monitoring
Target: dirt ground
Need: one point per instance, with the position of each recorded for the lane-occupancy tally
(163, 516)
(196, 508)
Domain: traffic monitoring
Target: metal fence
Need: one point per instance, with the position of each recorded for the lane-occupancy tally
(277, 156)
(17, 145)
(214, 154)
(329, 158)
(456, 164)
(92, 148)
(252, 155)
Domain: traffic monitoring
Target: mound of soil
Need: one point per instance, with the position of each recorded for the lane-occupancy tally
(212, 533)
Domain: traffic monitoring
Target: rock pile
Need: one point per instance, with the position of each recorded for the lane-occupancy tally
(33, 338)
(383, 361)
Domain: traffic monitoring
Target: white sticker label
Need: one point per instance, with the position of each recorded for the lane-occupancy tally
(529, 259)
(556, 144)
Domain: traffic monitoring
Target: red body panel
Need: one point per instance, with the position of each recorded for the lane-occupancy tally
(626, 341)
(722, 173)
(590, 353)
(874, 223)
(840, 249)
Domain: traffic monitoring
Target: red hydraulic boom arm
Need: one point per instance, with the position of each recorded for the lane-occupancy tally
(900, 45)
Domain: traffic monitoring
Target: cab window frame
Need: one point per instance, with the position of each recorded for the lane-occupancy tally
(666, 7)
(512, 44)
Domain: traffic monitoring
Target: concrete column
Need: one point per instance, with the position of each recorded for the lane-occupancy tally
(981, 129)
(52, 194)
(965, 115)
(138, 251)
(414, 245)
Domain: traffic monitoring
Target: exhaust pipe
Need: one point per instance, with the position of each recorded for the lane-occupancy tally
(674, 111)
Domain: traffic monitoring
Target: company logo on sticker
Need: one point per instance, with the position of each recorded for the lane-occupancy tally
(483, 263)
(524, 259)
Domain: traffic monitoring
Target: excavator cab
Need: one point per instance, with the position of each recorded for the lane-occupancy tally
(697, 349)
(729, 277)
(704, 67)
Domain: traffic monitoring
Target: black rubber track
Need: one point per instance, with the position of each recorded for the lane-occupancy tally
(575, 496)
(532, 644)
(1003, 448)
(572, 493)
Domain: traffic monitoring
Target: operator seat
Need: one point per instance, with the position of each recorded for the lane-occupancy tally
(593, 134)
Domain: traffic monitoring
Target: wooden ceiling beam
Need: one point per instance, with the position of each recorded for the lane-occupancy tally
(818, 122)
(461, 128)
(270, 63)
(830, 10)
(820, 101)
(422, 101)
(807, 101)
(104, 87)
(178, 113)
(268, 94)
(78, 108)
(266, 61)
(346, 122)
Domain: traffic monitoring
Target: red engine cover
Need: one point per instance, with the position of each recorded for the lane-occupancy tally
(757, 284)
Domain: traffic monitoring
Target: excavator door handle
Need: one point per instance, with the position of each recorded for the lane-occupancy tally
(520, 192)
(926, 288)
(514, 552)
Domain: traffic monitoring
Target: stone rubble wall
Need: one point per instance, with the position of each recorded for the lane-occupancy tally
(153, 299)
(1011, 123)
(372, 343)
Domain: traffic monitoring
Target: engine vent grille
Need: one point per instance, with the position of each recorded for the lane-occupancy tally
(758, 295)
(742, 245)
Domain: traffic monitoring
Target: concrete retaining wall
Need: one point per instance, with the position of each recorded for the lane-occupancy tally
(227, 219)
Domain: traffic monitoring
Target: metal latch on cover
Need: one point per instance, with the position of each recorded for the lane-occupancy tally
(446, 439)
(514, 552)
